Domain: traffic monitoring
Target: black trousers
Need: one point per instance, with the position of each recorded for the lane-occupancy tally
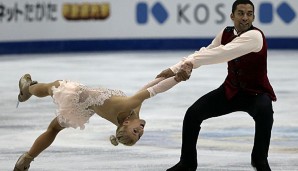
(215, 104)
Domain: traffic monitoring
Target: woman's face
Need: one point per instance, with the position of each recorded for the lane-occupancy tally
(135, 128)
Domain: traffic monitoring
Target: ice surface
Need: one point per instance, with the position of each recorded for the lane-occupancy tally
(224, 144)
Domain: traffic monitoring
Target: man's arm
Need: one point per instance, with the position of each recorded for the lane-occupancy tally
(215, 43)
(250, 41)
(171, 71)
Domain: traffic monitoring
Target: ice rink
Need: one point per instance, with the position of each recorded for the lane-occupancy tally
(224, 144)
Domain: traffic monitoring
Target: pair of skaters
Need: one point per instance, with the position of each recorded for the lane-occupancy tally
(246, 88)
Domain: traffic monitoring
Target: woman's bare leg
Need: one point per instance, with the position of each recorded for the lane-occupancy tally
(40, 144)
(43, 89)
(45, 139)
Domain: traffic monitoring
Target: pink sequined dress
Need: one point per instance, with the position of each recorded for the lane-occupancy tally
(74, 99)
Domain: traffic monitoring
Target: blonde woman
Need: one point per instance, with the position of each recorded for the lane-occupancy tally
(77, 103)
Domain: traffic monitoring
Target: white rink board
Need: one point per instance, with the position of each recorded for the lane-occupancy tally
(44, 20)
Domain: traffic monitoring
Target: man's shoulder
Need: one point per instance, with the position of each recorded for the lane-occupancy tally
(229, 29)
(255, 31)
(256, 28)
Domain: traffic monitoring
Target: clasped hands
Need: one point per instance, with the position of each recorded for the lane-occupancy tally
(183, 73)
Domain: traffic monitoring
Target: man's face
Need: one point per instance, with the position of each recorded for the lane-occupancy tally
(243, 17)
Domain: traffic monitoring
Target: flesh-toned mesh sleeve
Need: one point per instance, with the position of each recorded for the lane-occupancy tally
(162, 86)
(152, 83)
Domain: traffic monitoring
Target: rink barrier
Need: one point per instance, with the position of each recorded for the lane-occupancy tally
(67, 46)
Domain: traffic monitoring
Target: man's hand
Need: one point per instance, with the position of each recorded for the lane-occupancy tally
(184, 72)
(166, 73)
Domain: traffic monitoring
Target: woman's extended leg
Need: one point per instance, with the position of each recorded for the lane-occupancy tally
(43, 89)
(28, 88)
(45, 139)
(40, 144)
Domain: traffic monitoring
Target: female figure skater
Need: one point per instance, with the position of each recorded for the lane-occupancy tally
(77, 103)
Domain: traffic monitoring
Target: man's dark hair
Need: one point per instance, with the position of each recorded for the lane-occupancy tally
(237, 2)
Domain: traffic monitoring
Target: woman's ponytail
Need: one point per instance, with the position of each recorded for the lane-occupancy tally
(114, 140)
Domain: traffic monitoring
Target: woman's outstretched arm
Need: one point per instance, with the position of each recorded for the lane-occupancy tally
(159, 85)
(152, 83)
(182, 74)
(135, 101)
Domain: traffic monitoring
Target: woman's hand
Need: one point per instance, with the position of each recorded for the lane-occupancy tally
(166, 73)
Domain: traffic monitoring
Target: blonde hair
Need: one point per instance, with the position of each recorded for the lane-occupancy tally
(122, 137)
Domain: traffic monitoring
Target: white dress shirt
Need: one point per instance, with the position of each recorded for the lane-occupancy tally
(250, 41)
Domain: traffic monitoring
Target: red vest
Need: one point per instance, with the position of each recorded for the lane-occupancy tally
(247, 73)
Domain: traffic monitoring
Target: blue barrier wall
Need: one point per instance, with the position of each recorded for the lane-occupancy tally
(118, 45)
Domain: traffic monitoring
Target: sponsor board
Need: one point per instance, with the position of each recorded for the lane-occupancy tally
(95, 20)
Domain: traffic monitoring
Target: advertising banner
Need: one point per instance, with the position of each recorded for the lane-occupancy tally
(112, 20)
